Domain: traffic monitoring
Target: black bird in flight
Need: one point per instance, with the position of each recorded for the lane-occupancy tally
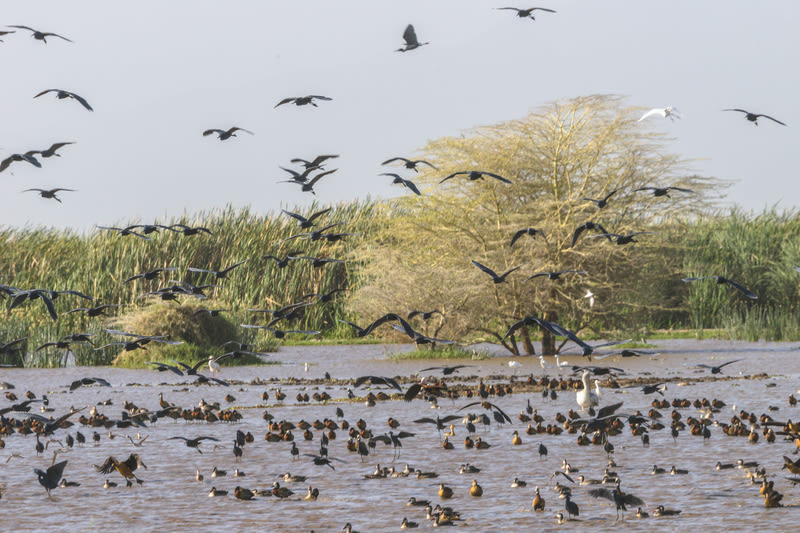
(98, 310)
(2, 33)
(426, 315)
(476, 175)
(438, 422)
(299, 177)
(188, 230)
(40, 35)
(280, 333)
(27, 156)
(555, 275)
(526, 231)
(621, 239)
(720, 280)
(716, 369)
(388, 317)
(303, 100)
(594, 226)
(619, 498)
(490, 406)
(446, 370)
(419, 338)
(10, 345)
(194, 443)
(753, 117)
(317, 262)
(663, 191)
(308, 186)
(495, 277)
(527, 13)
(64, 342)
(219, 274)
(61, 94)
(601, 203)
(410, 37)
(225, 134)
(50, 152)
(314, 163)
(282, 263)
(377, 380)
(306, 223)
(152, 274)
(396, 178)
(49, 193)
(409, 163)
(125, 231)
(49, 479)
(88, 381)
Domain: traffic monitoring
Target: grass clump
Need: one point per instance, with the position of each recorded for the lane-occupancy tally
(442, 352)
(185, 353)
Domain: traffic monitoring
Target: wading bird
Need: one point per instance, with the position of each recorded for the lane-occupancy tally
(150, 275)
(225, 134)
(527, 13)
(621, 239)
(49, 193)
(666, 112)
(303, 100)
(62, 94)
(409, 163)
(720, 280)
(39, 35)
(753, 117)
(49, 479)
(410, 37)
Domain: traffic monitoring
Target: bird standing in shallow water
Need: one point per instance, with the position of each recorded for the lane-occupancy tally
(586, 397)
(49, 479)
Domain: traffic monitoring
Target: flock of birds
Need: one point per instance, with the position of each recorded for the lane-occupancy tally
(592, 426)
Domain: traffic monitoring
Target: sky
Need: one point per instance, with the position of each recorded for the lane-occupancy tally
(158, 73)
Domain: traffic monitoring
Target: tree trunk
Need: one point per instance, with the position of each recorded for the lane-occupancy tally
(548, 339)
(526, 341)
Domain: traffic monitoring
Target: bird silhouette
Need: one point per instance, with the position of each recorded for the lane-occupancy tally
(526, 231)
(303, 100)
(49, 479)
(88, 381)
(426, 315)
(219, 274)
(666, 112)
(720, 280)
(225, 134)
(93, 311)
(62, 94)
(126, 468)
(50, 152)
(40, 35)
(555, 275)
(527, 13)
(753, 117)
(621, 239)
(194, 443)
(397, 179)
(306, 223)
(279, 333)
(447, 370)
(493, 274)
(151, 275)
(716, 369)
(410, 37)
(308, 186)
(314, 163)
(409, 163)
(388, 317)
(49, 193)
(188, 230)
(601, 203)
(594, 226)
(28, 157)
(662, 191)
(476, 175)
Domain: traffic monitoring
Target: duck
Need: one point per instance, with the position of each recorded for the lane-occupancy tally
(677, 471)
(445, 492)
(518, 483)
(217, 492)
(467, 468)
(312, 494)
(538, 502)
(475, 490)
(405, 524)
(515, 439)
(661, 511)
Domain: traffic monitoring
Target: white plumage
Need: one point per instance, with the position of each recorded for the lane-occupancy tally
(665, 112)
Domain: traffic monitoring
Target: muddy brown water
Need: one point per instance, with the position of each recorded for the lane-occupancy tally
(171, 499)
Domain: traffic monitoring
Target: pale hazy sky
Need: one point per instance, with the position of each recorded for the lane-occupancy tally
(160, 72)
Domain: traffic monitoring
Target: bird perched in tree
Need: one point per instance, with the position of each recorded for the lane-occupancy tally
(397, 179)
(62, 94)
(720, 280)
(226, 134)
(666, 112)
(527, 13)
(303, 100)
(49, 479)
(49, 193)
(40, 35)
(409, 163)
(126, 468)
(753, 117)
(476, 175)
(410, 37)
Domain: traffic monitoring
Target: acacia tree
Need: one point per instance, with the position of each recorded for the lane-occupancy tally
(555, 158)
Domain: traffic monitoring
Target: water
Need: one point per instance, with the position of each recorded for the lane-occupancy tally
(171, 498)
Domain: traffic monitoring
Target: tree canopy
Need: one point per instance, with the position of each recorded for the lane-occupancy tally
(558, 159)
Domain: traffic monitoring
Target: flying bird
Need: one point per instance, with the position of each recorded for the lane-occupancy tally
(377, 380)
(309, 186)
(40, 35)
(527, 13)
(303, 100)
(49, 479)
(49, 193)
(526, 231)
(621, 239)
(594, 226)
(666, 112)
(314, 163)
(308, 222)
(555, 275)
(601, 203)
(50, 152)
(662, 191)
(226, 134)
(219, 274)
(150, 275)
(61, 94)
(753, 117)
(188, 230)
(476, 175)
(410, 37)
(495, 277)
(717, 369)
(406, 183)
(88, 381)
(409, 163)
(720, 280)
(28, 156)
